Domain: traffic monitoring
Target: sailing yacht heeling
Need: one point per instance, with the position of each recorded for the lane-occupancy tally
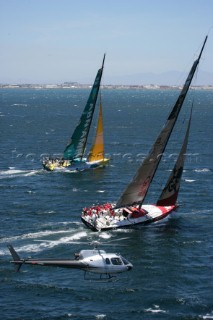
(74, 151)
(138, 188)
(129, 209)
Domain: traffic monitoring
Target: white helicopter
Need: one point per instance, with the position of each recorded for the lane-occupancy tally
(106, 265)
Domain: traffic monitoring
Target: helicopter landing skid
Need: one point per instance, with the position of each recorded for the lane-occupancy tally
(99, 278)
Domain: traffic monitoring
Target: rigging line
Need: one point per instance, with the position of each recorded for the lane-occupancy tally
(194, 57)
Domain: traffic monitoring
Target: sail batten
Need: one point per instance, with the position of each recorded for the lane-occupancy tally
(137, 189)
(76, 148)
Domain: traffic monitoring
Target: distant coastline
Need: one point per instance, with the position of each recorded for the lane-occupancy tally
(75, 85)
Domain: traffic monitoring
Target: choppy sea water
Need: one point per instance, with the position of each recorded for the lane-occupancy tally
(172, 276)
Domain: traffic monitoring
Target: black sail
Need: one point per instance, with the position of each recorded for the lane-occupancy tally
(137, 189)
(169, 194)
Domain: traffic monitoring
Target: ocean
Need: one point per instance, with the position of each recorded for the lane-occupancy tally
(172, 277)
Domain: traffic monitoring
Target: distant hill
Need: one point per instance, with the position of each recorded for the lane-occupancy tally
(171, 78)
(167, 78)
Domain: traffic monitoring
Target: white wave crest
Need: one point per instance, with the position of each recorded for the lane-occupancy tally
(13, 173)
(156, 310)
(208, 316)
(47, 244)
(202, 170)
(105, 235)
(53, 243)
(19, 104)
(33, 235)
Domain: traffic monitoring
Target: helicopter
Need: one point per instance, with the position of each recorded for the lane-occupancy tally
(97, 261)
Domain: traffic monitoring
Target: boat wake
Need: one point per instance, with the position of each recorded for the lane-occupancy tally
(33, 235)
(47, 239)
(14, 173)
(49, 244)
(42, 244)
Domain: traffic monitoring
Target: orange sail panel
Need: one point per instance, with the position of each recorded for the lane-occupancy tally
(97, 150)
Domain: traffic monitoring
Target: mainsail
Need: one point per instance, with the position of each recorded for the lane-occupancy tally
(97, 150)
(169, 194)
(138, 187)
(75, 149)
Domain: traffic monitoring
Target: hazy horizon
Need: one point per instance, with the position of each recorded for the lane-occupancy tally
(55, 41)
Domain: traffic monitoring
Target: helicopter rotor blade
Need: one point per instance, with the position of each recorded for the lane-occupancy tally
(89, 242)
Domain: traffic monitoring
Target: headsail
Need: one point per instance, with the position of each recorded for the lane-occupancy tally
(169, 194)
(97, 150)
(75, 149)
(138, 187)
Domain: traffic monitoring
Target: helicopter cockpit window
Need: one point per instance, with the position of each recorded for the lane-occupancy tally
(107, 261)
(125, 261)
(116, 261)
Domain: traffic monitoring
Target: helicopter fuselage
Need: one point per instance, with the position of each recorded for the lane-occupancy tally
(96, 261)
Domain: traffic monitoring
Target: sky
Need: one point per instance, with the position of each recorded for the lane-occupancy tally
(56, 41)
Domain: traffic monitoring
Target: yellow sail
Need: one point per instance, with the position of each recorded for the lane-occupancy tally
(97, 150)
